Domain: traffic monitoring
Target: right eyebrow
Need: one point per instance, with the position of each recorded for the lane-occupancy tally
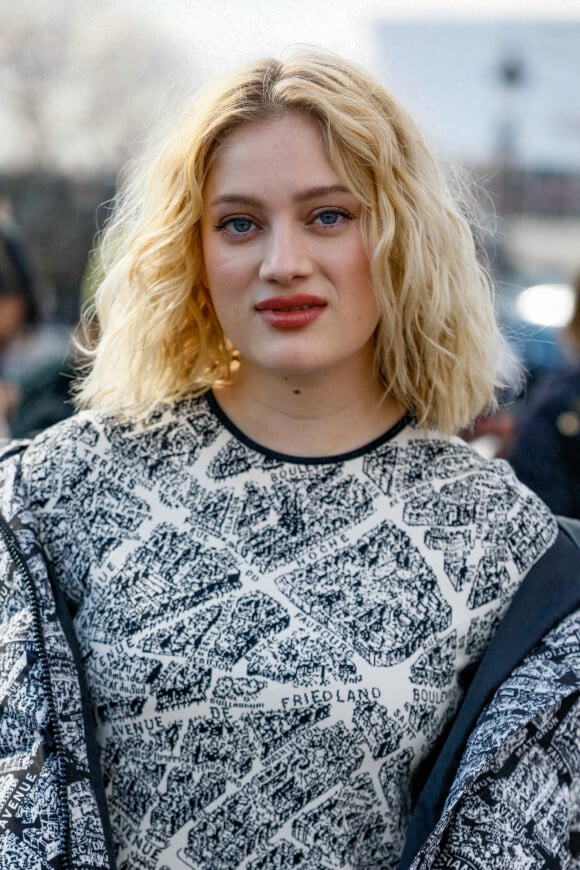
(236, 199)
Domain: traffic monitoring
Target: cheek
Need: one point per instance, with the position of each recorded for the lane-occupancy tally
(222, 269)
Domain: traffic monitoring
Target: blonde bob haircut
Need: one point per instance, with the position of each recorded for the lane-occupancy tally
(437, 342)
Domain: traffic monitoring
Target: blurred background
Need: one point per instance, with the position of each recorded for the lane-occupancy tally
(495, 86)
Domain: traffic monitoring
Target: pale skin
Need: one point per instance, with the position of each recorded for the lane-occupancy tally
(289, 278)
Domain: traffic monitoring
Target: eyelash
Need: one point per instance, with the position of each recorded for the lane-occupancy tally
(341, 212)
(222, 227)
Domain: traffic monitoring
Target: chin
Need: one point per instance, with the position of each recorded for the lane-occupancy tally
(289, 364)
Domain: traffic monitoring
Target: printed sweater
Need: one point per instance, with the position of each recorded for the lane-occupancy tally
(297, 717)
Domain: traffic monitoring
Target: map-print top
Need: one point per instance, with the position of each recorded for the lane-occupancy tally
(273, 644)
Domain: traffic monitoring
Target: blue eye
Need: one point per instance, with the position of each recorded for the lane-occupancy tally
(241, 225)
(236, 226)
(332, 217)
(329, 217)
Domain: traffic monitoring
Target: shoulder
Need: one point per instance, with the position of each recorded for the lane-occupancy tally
(60, 455)
(449, 485)
(67, 438)
(92, 432)
(452, 464)
(89, 445)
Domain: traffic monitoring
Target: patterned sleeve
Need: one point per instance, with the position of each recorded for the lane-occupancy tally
(57, 469)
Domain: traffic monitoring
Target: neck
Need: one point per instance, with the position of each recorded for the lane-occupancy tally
(309, 415)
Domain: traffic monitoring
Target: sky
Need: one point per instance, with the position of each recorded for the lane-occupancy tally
(448, 89)
(221, 33)
(446, 80)
(460, 92)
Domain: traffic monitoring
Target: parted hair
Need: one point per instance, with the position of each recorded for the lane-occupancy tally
(437, 342)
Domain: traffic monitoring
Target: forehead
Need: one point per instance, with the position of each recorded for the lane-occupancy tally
(278, 146)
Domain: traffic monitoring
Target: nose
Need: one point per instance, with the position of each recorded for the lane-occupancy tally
(286, 256)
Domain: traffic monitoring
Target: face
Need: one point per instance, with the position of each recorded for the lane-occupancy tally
(283, 253)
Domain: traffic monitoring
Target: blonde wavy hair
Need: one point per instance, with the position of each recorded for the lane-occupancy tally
(437, 343)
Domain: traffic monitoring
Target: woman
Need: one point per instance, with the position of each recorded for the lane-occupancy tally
(282, 567)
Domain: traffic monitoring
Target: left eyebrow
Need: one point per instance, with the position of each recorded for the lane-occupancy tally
(314, 192)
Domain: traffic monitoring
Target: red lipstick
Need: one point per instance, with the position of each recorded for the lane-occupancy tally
(291, 312)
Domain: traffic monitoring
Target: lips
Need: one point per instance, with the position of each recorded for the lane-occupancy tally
(298, 301)
(291, 312)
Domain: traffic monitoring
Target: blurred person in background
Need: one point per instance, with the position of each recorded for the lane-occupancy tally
(256, 594)
(18, 310)
(36, 367)
(545, 452)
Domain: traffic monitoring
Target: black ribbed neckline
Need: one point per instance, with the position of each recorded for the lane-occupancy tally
(305, 460)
